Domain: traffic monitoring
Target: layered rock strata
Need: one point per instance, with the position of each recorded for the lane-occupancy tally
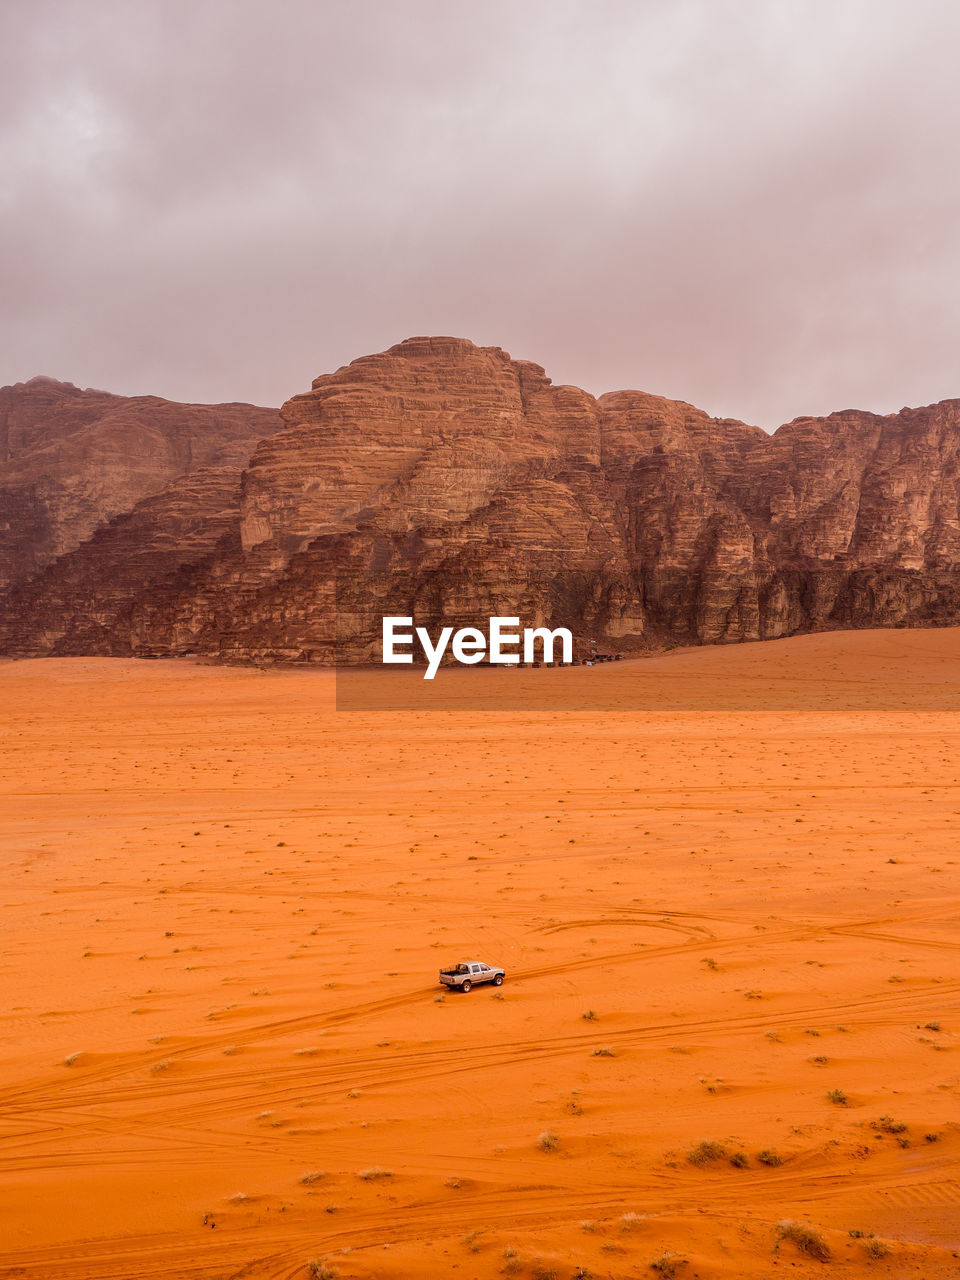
(72, 460)
(450, 482)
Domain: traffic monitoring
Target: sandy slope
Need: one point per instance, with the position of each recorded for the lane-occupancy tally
(225, 905)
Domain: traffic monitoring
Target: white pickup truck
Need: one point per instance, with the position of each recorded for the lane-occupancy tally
(470, 973)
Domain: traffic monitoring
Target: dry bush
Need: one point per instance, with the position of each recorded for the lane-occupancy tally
(887, 1124)
(320, 1271)
(542, 1271)
(668, 1265)
(548, 1141)
(806, 1239)
(704, 1152)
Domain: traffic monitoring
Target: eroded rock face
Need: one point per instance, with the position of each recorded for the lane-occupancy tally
(82, 601)
(449, 482)
(71, 460)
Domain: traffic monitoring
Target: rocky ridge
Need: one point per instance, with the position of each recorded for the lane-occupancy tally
(451, 482)
(72, 460)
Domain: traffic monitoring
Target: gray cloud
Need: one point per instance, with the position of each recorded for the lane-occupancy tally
(749, 204)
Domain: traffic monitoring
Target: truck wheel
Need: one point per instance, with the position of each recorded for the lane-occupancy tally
(465, 986)
(498, 980)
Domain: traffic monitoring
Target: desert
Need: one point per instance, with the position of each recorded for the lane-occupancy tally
(479, 640)
(726, 1041)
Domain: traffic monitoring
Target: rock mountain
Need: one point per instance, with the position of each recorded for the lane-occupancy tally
(451, 482)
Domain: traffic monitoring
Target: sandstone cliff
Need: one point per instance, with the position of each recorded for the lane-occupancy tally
(71, 460)
(450, 482)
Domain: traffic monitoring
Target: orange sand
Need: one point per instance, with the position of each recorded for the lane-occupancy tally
(224, 909)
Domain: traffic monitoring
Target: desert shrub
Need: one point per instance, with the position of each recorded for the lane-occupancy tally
(739, 1160)
(511, 1262)
(548, 1141)
(704, 1152)
(837, 1097)
(589, 1015)
(542, 1271)
(887, 1124)
(371, 1175)
(320, 1271)
(806, 1239)
(769, 1157)
(876, 1248)
(604, 1052)
(668, 1265)
(309, 1178)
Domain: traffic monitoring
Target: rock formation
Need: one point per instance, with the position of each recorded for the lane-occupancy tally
(449, 482)
(71, 460)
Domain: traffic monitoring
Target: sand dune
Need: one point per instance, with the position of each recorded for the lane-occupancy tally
(731, 937)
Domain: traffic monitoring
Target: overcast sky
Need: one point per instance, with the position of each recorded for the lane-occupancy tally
(753, 205)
